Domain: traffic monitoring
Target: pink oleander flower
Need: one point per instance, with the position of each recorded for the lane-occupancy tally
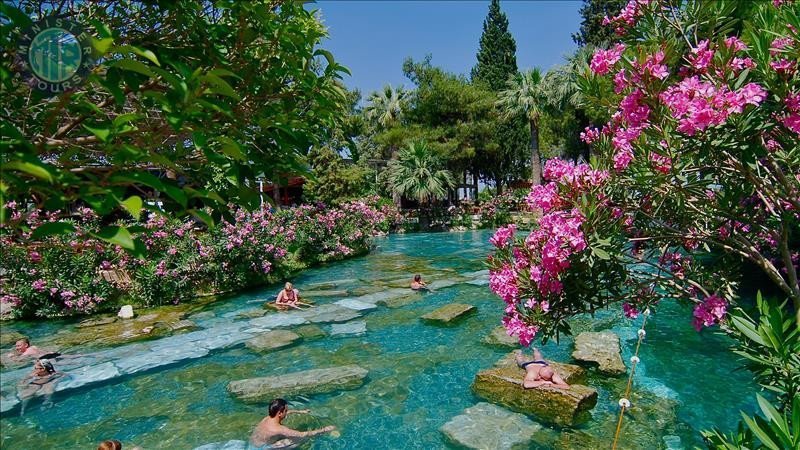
(752, 93)
(604, 60)
(39, 285)
(709, 312)
(735, 44)
(661, 163)
(739, 64)
(792, 101)
(779, 44)
(621, 81)
(629, 311)
(792, 122)
(504, 284)
(622, 159)
(543, 196)
(503, 236)
(515, 326)
(654, 67)
(590, 135)
(35, 257)
(782, 65)
(106, 265)
(701, 56)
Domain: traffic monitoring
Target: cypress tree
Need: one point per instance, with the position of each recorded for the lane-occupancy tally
(497, 62)
(592, 30)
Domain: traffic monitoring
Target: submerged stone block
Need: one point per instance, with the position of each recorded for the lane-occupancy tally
(449, 313)
(272, 340)
(564, 407)
(486, 426)
(356, 327)
(499, 337)
(316, 381)
(601, 348)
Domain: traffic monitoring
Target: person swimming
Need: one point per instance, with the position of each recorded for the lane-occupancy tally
(40, 382)
(538, 372)
(271, 433)
(23, 350)
(417, 284)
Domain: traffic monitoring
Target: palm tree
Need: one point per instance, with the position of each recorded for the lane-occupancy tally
(386, 107)
(525, 96)
(418, 173)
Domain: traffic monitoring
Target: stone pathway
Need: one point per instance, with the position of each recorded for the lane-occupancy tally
(219, 333)
(489, 427)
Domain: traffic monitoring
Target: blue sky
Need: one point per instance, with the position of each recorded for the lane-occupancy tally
(373, 37)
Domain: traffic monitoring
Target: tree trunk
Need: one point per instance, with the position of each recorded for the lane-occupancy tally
(276, 191)
(536, 160)
(475, 185)
(498, 184)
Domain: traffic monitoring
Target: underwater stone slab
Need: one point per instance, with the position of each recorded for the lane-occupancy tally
(160, 357)
(315, 381)
(328, 313)
(441, 284)
(230, 445)
(8, 403)
(324, 293)
(95, 322)
(449, 313)
(278, 320)
(489, 427)
(272, 340)
(310, 332)
(563, 407)
(377, 297)
(87, 375)
(358, 305)
(359, 327)
(601, 348)
(500, 337)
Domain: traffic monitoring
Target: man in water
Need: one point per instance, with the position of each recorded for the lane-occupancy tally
(270, 433)
(418, 284)
(289, 297)
(23, 350)
(539, 373)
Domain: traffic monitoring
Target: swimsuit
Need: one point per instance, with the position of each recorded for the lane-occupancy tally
(540, 362)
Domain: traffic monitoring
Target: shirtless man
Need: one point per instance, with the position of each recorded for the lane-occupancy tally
(270, 433)
(539, 373)
(289, 297)
(24, 350)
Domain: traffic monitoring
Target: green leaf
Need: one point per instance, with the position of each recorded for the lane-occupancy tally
(600, 253)
(224, 73)
(52, 229)
(116, 235)
(16, 15)
(231, 148)
(133, 66)
(36, 169)
(220, 86)
(101, 133)
(102, 46)
(203, 216)
(761, 434)
(133, 205)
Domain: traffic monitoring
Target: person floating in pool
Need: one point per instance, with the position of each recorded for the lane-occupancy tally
(417, 284)
(539, 373)
(289, 297)
(39, 383)
(270, 433)
(23, 351)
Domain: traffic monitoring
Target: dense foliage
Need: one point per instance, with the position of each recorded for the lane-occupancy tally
(63, 275)
(697, 176)
(190, 102)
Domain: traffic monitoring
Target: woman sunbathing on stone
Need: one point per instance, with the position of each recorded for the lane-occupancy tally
(539, 373)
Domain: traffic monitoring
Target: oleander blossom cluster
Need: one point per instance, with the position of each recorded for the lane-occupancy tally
(710, 311)
(77, 275)
(527, 273)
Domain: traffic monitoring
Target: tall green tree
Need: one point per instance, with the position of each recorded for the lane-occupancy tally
(524, 96)
(497, 62)
(592, 30)
(419, 173)
(189, 103)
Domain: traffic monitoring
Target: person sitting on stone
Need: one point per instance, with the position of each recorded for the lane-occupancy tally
(23, 350)
(271, 433)
(417, 284)
(289, 297)
(40, 382)
(539, 373)
(111, 444)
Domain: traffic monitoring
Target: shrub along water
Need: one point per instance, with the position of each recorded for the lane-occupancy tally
(68, 275)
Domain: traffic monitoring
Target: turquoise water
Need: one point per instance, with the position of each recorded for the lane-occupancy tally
(419, 375)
